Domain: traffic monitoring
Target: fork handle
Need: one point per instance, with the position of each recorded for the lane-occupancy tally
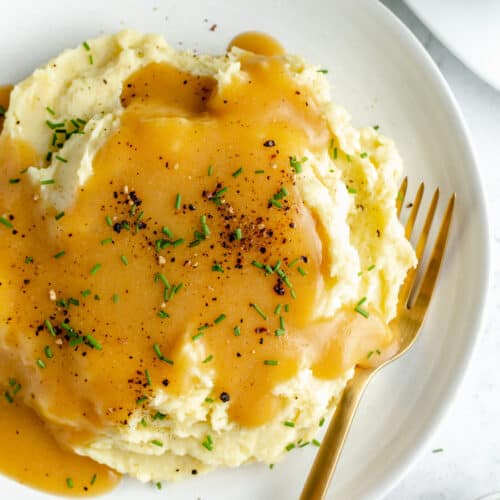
(328, 455)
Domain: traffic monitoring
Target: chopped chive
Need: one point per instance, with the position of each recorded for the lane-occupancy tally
(437, 450)
(163, 314)
(158, 485)
(304, 444)
(162, 278)
(282, 322)
(322, 421)
(209, 400)
(85, 293)
(277, 309)
(324, 71)
(287, 307)
(352, 190)
(297, 165)
(259, 311)
(293, 293)
(237, 331)
(204, 225)
(271, 466)
(376, 127)
(86, 46)
(91, 59)
(6, 223)
(237, 233)
(53, 125)
(106, 241)
(208, 358)
(279, 332)
(116, 298)
(58, 255)
(290, 446)
(48, 351)
(315, 442)
(95, 269)
(156, 348)
(69, 482)
(259, 171)
(218, 268)
(197, 336)
(92, 481)
(157, 442)
(257, 264)
(219, 319)
(371, 267)
(40, 363)
(369, 355)
(8, 397)
(210, 170)
(60, 158)
(301, 271)
(143, 422)
(141, 399)
(148, 377)
(50, 328)
(166, 230)
(178, 242)
(159, 416)
(28, 259)
(2, 110)
(47, 182)
(203, 327)
(109, 222)
(60, 215)
(361, 310)
(161, 357)
(219, 193)
(93, 342)
(271, 362)
(276, 203)
(124, 259)
(50, 110)
(289, 424)
(14, 181)
(236, 173)
(208, 443)
(178, 199)
(363, 155)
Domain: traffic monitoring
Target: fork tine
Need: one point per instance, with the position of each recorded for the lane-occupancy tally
(407, 286)
(401, 195)
(429, 280)
(427, 225)
(414, 211)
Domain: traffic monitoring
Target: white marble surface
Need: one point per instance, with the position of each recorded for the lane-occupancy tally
(469, 465)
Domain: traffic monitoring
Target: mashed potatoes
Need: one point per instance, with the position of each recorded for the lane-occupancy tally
(349, 188)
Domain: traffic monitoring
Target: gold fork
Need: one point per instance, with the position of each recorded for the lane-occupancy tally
(412, 307)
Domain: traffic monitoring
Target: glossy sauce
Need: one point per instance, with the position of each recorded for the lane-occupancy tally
(174, 162)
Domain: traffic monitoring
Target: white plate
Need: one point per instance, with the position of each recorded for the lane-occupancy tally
(470, 29)
(381, 73)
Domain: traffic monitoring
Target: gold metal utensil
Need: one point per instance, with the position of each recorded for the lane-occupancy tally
(412, 306)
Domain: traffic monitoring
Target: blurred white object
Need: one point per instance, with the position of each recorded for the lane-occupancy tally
(469, 28)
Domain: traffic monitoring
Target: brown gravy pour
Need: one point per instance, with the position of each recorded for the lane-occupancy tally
(180, 134)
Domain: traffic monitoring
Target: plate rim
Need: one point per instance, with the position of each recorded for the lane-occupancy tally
(449, 104)
(400, 470)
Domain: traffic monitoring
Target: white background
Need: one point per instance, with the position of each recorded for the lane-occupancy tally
(469, 466)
